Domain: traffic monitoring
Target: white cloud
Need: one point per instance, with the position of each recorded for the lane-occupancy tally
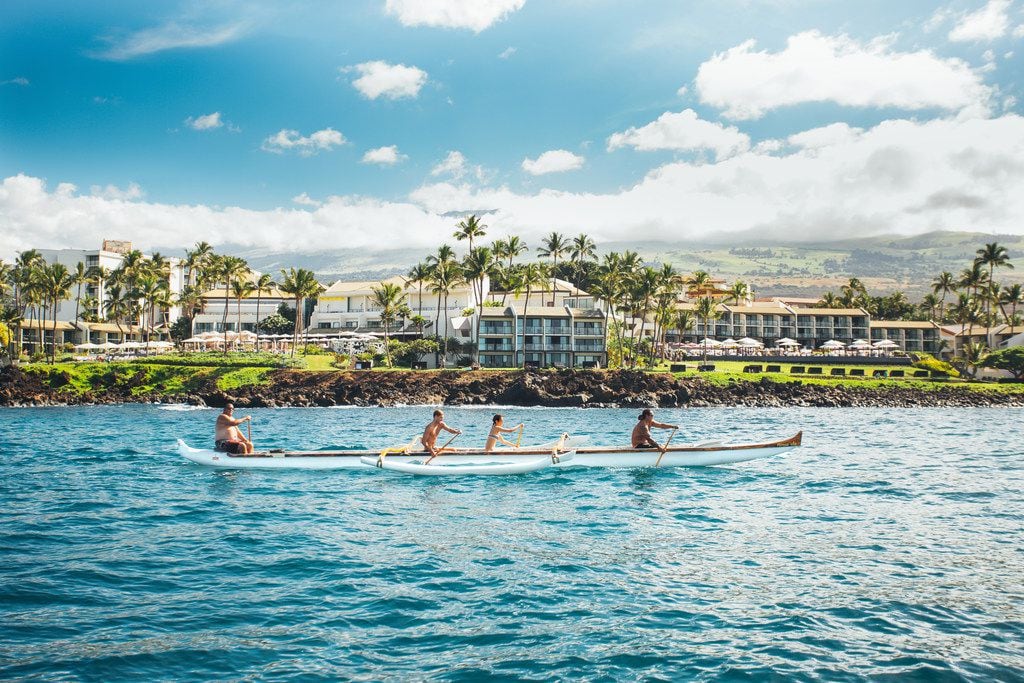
(393, 81)
(683, 131)
(988, 23)
(17, 80)
(475, 15)
(899, 177)
(132, 192)
(682, 91)
(205, 122)
(826, 136)
(305, 200)
(454, 165)
(937, 19)
(286, 139)
(816, 68)
(506, 53)
(553, 161)
(384, 156)
(170, 36)
(1019, 31)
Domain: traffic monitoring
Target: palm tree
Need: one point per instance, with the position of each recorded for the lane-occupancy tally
(1012, 296)
(470, 228)
(196, 262)
(707, 310)
(930, 303)
(532, 276)
(118, 306)
(241, 289)
(974, 354)
(582, 249)
(153, 291)
(58, 284)
(445, 275)
(994, 256)
(555, 246)
(643, 289)
(478, 265)
(81, 276)
(390, 299)
(829, 300)
(945, 284)
(683, 322)
(264, 283)
(230, 269)
(301, 284)
(418, 276)
(24, 276)
(699, 284)
(738, 293)
(854, 293)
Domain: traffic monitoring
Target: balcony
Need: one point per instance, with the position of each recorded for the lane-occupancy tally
(558, 329)
(495, 348)
(502, 330)
(589, 348)
(533, 329)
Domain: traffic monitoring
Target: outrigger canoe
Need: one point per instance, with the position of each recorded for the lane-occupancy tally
(693, 455)
(483, 467)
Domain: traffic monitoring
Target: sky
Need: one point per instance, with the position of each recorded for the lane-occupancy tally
(306, 125)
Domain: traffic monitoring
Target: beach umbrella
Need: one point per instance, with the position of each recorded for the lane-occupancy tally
(131, 345)
(786, 341)
(747, 341)
(885, 344)
(832, 344)
(706, 341)
(729, 343)
(109, 346)
(87, 346)
(860, 344)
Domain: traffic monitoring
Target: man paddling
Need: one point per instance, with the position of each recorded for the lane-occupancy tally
(642, 431)
(429, 438)
(228, 437)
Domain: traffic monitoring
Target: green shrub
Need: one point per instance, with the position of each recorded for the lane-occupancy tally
(926, 362)
(215, 359)
(1011, 360)
(314, 350)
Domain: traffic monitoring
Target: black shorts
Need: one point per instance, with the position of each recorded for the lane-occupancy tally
(229, 447)
(644, 445)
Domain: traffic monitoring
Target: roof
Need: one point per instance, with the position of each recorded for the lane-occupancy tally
(560, 286)
(979, 331)
(903, 324)
(272, 293)
(345, 288)
(829, 311)
(48, 325)
(111, 327)
(760, 308)
(793, 300)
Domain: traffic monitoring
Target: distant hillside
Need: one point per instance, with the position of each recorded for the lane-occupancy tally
(772, 267)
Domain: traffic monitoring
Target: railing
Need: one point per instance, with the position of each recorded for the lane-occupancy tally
(533, 330)
(495, 329)
(561, 329)
(495, 349)
(590, 348)
(589, 331)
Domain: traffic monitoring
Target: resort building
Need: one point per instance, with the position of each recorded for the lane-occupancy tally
(910, 335)
(348, 306)
(958, 336)
(247, 311)
(94, 296)
(565, 294)
(543, 336)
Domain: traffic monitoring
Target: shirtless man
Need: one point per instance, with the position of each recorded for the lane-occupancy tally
(227, 437)
(642, 432)
(496, 433)
(429, 438)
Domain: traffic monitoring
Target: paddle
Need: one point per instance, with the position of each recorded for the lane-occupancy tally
(665, 447)
(519, 439)
(441, 449)
(248, 431)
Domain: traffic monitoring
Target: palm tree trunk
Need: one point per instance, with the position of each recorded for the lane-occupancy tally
(526, 307)
(295, 328)
(259, 296)
(224, 319)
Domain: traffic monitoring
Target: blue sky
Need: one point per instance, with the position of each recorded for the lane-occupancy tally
(111, 98)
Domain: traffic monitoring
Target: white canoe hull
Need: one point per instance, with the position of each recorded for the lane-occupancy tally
(696, 455)
(472, 467)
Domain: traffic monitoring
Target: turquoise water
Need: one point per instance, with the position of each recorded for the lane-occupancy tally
(889, 547)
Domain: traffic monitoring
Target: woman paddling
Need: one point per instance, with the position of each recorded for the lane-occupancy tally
(496, 432)
(642, 431)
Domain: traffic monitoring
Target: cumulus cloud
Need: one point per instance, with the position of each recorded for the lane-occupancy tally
(132, 192)
(683, 131)
(826, 136)
(17, 80)
(384, 156)
(205, 122)
(305, 200)
(169, 36)
(286, 139)
(553, 161)
(392, 81)
(475, 15)
(900, 176)
(506, 53)
(987, 24)
(454, 164)
(746, 83)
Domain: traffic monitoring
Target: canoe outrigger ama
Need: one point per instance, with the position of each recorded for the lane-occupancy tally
(566, 452)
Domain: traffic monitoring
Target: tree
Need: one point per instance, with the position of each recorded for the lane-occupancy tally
(229, 269)
(555, 246)
(445, 275)
(829, 300)
(929, 304)
(418, 276)
(683, 322)
(974, 355)
(264, 283)
(532, 276)
(300, 284)
(197, 263)
(81, 276)
(478, 265)
(1012, 296)
(57, 287)
(470, 228)
(241, 289)
(389, 298)
(581, 250)
(738, 293)
(944, 284)
(155, 293)
(707, 310)
(994, 256)
(1011, 360)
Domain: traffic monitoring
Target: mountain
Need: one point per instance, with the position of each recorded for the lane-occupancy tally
(772, 267)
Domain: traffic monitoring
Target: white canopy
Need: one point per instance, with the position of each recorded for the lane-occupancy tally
(729, 343)
(109, 346)
(747, 341)
(832, 344)
(88, 346)
(786, 341)
(131, 345)
(860, 344)
(885, 344)
(706, 341)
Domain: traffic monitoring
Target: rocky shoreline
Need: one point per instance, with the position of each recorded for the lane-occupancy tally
(557, 388)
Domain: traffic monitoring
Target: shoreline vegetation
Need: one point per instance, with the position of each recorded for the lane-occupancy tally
(255, 385)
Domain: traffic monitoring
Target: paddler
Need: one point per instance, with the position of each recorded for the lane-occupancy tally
(496, 432)
(429, 438)
(227, 437)
(642, 431)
